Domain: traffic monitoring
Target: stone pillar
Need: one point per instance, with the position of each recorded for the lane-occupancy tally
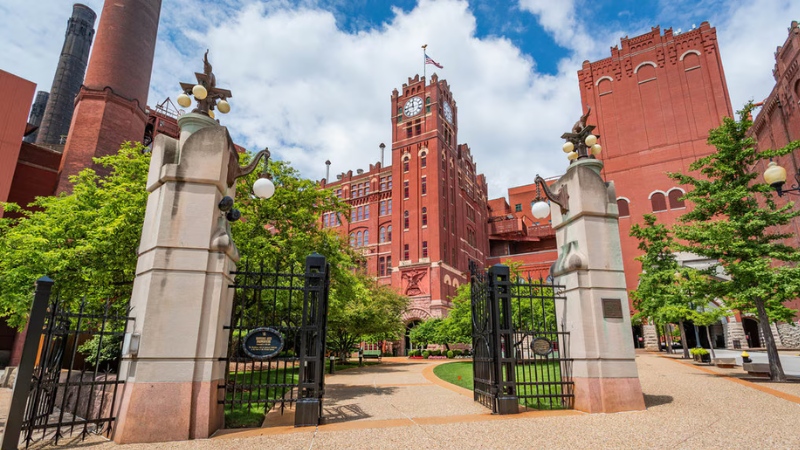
(650, 337)
(596, 310)
(181, 300)
(734, 332)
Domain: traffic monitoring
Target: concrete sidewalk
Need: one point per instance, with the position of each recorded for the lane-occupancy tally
(395, 405)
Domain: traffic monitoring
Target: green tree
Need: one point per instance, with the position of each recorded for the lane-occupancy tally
(736, 222)
(363, 309)
(457, 326)
(658, 297)
(426, 332)
(85, 240)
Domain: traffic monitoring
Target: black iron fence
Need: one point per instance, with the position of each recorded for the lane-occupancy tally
(67, 380)
(541, 346)
(277, 342)
(521, 353)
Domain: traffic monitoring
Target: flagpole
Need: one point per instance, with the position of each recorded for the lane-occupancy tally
(424, 46)
(424, 88)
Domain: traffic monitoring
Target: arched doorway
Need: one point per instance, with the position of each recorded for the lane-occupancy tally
(407, 343)
(751, 333)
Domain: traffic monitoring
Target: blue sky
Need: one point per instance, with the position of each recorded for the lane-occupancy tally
(312, 78)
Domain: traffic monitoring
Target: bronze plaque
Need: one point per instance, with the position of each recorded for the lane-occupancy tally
(262, 343)
(612, 308)
(541, 346)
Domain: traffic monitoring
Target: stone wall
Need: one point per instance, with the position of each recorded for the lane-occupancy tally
(789, 334)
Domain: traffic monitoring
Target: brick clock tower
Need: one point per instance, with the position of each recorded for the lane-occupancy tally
(440, 202)
(421, 220)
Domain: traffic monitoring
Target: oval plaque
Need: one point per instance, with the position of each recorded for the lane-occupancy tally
(541, 346)
(262, 343)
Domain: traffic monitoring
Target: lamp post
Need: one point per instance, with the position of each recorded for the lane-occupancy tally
(775, 176)
(205, 92)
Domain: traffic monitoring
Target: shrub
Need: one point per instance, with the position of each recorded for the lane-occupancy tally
(426, 354)
(451, 354)
(457, 353)
(110, 352)
(698, 351)
(436, 353)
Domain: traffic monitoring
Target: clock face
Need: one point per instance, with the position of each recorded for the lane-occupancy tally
(448, 112)
(412, 107)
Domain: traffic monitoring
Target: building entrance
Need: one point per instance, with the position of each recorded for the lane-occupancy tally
(751, 333)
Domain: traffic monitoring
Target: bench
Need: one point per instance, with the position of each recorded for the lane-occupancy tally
(372, 354)
(756, 369)
(725, 363)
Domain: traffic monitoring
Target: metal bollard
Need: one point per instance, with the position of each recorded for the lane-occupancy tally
(333, 363)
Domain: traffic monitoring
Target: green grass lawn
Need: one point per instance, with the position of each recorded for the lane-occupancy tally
(460, 374)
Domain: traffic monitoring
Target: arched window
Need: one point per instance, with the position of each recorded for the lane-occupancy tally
(604, 86)
(623, 207)
(352, 239)
(423, 160)
(675, 201)
(406, 160)
(382, 235)
(405, 220)
(658, 201)
(424, 216)
(389, 233)
(366, 237)
(359, 239)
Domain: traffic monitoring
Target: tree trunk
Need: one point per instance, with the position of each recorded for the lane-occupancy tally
(775, 367)
(710, 343)
(668, 337)
(683, 340)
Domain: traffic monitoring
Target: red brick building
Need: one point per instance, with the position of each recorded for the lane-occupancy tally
(516, 236)
(777, 124)
(420, 221)
(654, 101)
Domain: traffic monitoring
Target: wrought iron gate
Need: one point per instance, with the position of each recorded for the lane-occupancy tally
(67, 382)
(520, 351)
(291, 307)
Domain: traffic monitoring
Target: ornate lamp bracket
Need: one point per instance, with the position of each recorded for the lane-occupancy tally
(561, 198)
(235, 171)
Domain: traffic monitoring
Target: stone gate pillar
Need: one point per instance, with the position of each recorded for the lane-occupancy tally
(596, 309)
(650, 337)
(181, 299)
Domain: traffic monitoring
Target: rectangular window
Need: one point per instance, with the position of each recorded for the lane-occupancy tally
(423, 160)
(424, 249)
(424, 188)
(388, 265)
(339, 193)
(381, 266)
(366, 188)
(383, 207)
(406, 253)
(366, 212)
(352, 214)
(405, 189)
(405, 165)
(389, 182)
(389, 208)
(518, 207)
(325, 223)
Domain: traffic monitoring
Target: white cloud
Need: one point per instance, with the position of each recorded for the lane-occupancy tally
(311, 91)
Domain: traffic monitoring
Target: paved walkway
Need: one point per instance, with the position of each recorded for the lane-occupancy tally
(395, 405)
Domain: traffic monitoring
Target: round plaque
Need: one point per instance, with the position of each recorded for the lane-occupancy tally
(541, 346)
(262, 343)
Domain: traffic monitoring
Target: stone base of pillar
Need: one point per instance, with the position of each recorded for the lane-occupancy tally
(608, 395)
(157, 412)
(650, 338)
(735, 332)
